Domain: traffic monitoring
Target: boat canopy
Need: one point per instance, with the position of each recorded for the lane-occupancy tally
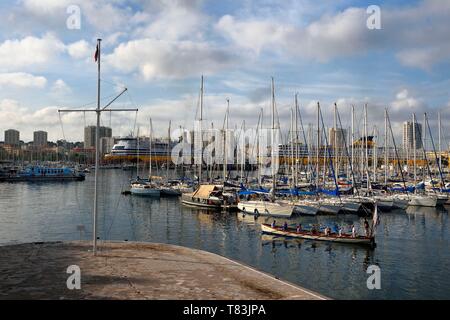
(204, 191)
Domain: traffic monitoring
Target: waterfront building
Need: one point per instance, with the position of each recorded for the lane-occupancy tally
(12, 137)
(337, 136)
(40, 138)
(89, 135)
(408, 136)
(106, 145)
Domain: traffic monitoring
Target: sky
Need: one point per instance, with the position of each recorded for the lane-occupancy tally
(159, 49)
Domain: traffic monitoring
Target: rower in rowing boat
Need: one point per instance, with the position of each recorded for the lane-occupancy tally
(274, 222)
(366, 227)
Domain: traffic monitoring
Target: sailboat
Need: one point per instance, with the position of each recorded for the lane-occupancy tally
(267, 205)
(207, 195)
(141, 187)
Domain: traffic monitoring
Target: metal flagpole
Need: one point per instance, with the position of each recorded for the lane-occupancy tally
(97, 151)
(98, 112)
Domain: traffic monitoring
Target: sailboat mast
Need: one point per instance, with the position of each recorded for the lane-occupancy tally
(168, 149)
(292, 148)
(297, 155)
(261, 154)
(150, 147)
(386, 155)
(439, 139)
(138, 150)
(375, 154)
(225, 146)
(97, 151)
(424, 134)
(273, 137)
(243, 152)
(367, 147)
(201, 133)
(414, 149)
(335, 149)
(318, 145)
(353, 144)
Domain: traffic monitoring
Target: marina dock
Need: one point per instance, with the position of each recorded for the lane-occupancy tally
(134, 270)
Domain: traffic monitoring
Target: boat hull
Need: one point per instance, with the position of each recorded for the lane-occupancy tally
(142, 192)
(168, 192)
(385, 204)
(423, 201)
(319, 237)
(352, 207)
(189, 200)
(400, 204)
(306, 209)
(328, 208)
(265, 208)
(42, 178)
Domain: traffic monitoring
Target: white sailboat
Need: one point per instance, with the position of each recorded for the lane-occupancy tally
(141, 187)
(276, 208)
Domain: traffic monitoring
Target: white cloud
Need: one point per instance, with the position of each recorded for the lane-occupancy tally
(103, 15)
(16, 116)
(60, 88)
(174, 20)
(418, 35)
(254, 35)
(329, 37)
(80, 49)
(29, 51)
(168, 59)
(405, 102)
(22, 80)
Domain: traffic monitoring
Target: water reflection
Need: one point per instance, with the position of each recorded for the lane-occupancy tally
(412, 246)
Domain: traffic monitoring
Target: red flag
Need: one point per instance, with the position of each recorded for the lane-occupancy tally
(96, 54)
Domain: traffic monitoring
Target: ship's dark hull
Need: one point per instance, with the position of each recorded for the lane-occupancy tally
(40, 179)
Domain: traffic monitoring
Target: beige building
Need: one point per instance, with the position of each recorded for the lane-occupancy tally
(337, 136)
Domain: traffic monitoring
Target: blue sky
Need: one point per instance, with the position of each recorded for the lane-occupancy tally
(160, 48)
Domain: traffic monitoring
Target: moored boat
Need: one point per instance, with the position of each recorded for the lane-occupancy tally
(210, 196)
(279, 209)
(41, 174)
(423, 201)
(145, 189)
(317, 236)
(306, 208)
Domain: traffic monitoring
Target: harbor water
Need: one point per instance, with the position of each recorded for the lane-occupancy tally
(412, 252)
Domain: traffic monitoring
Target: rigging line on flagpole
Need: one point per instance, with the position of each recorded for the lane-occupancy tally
(113, 218)
(130, 98)
(95, 102)
(62, 126)
(115, 85)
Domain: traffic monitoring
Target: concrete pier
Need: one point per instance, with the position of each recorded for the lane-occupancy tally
(127, 270)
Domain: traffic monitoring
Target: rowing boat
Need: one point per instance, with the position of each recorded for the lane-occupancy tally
(333, 237)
